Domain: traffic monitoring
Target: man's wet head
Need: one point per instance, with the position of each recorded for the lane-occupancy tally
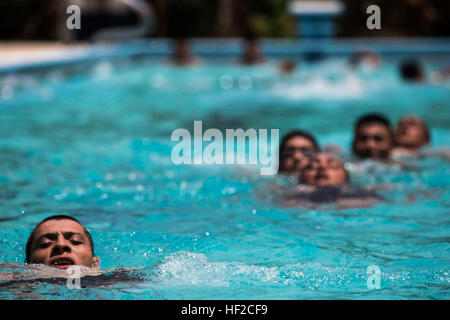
(61, 241)
(296, 148)
(412, 71)
(252, 52)
(372, 137)
(324, 170)
(182, 52)
(411, 132)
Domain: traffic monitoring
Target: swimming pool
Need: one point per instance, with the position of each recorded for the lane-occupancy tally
(96, 145)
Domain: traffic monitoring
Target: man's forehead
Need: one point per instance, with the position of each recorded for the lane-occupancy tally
(55, 226)
(411, 118)
(411, 121)
(297, 139)
(298, 142)
(379, 127)
(326, 157)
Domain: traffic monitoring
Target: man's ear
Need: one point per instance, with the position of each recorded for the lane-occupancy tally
(96, 261)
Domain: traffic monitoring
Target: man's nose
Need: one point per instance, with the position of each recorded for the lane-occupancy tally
(298, 155)
(296, 160)
(60, 247)
(371, 143)
(321, 166)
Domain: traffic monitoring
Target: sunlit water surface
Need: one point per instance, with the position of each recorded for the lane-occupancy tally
(96, 145)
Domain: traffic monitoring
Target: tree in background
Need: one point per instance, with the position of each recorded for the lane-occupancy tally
(223, 18)
(189, 18)
(39, 19)
(266, 18)
(28, 20)
(398, 18)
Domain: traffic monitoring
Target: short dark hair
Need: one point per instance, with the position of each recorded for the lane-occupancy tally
(56, 217)
(371, 118)
(293, 134)
(411, 70)
(299, 133)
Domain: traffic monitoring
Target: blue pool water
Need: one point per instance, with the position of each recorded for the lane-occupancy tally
(96, 145)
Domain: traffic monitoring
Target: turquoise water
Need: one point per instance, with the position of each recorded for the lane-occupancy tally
(96, 145)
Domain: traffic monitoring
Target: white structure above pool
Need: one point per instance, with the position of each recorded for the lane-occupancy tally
(315, 19)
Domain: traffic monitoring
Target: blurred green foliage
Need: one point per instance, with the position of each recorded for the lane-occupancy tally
(28, 19)
(190, 18)
(410, 18)
(38, 19)
(194, 18)
(269, 18)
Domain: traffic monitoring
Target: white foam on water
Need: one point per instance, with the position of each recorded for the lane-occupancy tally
(193, 269)
(321, 88)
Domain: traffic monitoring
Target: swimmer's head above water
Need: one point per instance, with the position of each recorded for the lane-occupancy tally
(373, 137)
(412, 71)
(287, 66)
(252, 52)
(296, 148)
(368, 57)
(61, 241)
(411, 133)
(324, 170)
(182, 54)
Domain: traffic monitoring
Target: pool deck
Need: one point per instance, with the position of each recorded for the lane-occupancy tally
(18, 56)
(19, 53)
